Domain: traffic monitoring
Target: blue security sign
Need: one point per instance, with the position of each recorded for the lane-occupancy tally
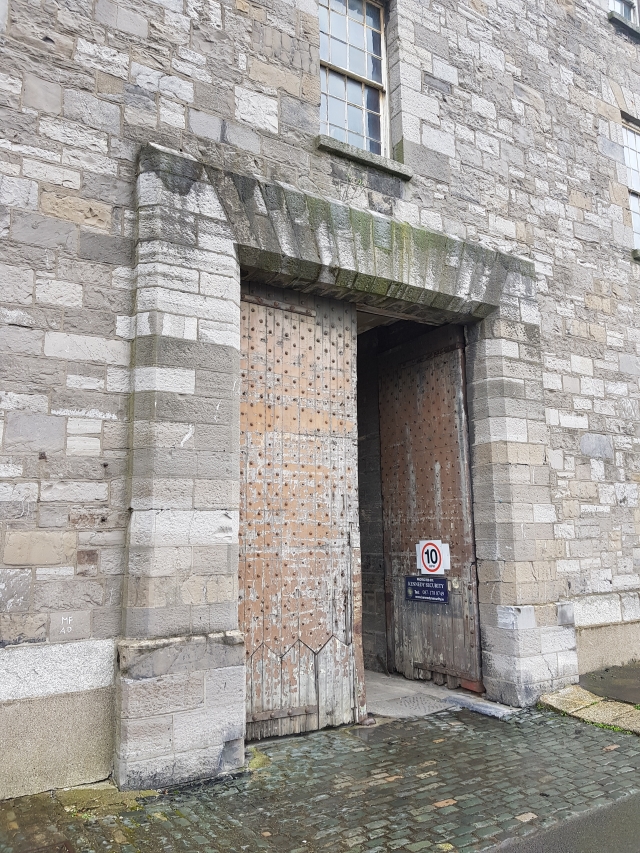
(425, 588)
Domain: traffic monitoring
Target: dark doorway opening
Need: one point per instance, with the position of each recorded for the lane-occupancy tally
(414, 483)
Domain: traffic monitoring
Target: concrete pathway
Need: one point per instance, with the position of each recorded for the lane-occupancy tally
(450, 782)
(396, 696)
(577, 702)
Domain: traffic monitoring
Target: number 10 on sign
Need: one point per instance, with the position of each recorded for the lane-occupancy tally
(433, 557)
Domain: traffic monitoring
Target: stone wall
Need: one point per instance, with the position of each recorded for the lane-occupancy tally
(509, 116)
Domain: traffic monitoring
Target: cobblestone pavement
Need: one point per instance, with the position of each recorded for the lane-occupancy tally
(455, 781)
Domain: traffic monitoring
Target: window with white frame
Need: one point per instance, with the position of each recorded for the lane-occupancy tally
(352, 73)
(625, 8)
(632, 159)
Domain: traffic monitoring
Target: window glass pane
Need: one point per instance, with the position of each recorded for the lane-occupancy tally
(339, 6)
(374, 42)
(357, 62)
(356, 9)
(356, 34)
(374, 147)
(623, 8)
(336, 85)
(323, 107)
(354, 92)
(373, 125)
(356, 139)
(336, 111)
(324, 2)
(373, 99)
(338, 132)
(374, 67)
(338, 26)
(324, 20)
(373, 16)
(354, 117)
(338, 53)
(324, 47)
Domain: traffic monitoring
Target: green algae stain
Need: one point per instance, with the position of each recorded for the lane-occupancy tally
(258, 760)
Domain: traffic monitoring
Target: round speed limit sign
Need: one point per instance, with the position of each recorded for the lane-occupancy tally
(433, 557)
(430, 557)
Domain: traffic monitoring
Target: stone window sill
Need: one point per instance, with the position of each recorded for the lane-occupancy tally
(350, 152)
(619, 21)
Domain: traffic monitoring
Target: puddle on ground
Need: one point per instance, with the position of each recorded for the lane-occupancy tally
(615, 682)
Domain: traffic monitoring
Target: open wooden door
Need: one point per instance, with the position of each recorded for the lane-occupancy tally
(426, 493)
(300, 586)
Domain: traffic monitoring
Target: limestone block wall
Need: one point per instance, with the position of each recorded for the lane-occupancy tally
(509, 116)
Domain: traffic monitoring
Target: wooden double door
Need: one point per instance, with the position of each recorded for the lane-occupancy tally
(300, 589)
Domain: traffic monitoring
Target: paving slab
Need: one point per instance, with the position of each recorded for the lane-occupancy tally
(570, 699)
(630, 721)
(604, 712)
(453, 781)
(587, 706)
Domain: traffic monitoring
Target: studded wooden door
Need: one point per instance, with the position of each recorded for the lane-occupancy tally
(300, 587)
(426, 493)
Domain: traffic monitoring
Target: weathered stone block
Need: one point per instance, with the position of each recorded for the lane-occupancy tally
(203, 124)
(42, 94)
(142, 698)
(18, 628)
(78, 492)
(86, 348)
(105, 248)
(596, 446)
(77, 594)
(28, 671)
(15, 589)
(38, 547)
(147, 738)
(80, 722)
(43, 231)
(256, 109)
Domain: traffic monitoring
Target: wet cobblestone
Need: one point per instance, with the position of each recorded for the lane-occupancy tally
(450, 782)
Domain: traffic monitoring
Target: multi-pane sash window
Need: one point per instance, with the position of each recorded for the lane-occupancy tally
(632, 159)
(351, 56)
(626, 8)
